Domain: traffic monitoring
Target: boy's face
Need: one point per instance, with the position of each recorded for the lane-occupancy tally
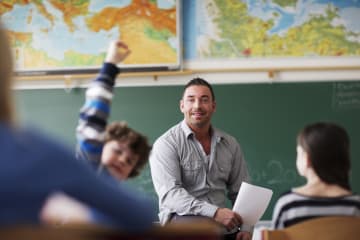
(119, 159)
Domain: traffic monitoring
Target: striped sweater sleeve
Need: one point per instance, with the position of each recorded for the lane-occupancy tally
(94, 115)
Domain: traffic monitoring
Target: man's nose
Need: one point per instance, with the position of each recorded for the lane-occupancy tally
(197, 103)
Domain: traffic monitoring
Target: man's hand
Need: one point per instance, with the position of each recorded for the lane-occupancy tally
(117, 52)
(228, 218)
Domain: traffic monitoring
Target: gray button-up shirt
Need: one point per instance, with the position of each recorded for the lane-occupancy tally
(190, 183)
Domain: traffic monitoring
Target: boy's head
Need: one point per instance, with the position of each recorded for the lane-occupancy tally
(125, 151)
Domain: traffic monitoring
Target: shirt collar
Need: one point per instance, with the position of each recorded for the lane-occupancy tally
(188, 132)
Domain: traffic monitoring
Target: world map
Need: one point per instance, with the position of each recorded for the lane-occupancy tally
(216, 29)
(57, 34)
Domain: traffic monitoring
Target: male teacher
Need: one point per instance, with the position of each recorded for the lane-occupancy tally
(194, 165)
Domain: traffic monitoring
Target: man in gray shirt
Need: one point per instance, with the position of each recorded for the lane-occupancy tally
(194, 165)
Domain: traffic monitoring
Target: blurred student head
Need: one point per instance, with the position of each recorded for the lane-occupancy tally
(327, 147)
(6, 70)
(125, 152)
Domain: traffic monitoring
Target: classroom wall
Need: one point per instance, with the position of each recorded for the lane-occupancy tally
(263, 117)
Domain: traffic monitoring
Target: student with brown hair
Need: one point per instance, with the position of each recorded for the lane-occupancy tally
(115, 148)
(323, 158)
(34, 166)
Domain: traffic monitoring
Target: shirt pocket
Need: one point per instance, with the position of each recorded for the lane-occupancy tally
(223, 168)
(191, 168)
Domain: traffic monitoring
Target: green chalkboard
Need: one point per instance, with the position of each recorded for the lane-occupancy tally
(265, 119)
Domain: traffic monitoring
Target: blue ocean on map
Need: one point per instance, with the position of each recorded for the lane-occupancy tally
(189, 28)
(96, 6)
(295, 16)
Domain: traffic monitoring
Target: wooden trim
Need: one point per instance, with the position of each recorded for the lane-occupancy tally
(66, 77)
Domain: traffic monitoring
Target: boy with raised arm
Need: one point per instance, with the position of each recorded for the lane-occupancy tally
(114, 150)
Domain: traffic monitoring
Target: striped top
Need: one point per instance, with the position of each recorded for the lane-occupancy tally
(292, 208)
(94, 114)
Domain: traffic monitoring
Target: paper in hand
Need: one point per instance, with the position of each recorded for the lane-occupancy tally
(251, 202)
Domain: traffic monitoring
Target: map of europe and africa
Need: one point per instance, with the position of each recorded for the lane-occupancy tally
(74, 34)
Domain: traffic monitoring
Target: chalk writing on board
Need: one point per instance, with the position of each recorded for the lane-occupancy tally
(274, 173)
(346, 95)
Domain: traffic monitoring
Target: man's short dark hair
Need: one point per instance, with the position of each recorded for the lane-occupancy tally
(200, 82)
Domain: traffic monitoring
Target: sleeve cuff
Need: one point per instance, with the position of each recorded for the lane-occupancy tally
(209, 210)
(110, 69)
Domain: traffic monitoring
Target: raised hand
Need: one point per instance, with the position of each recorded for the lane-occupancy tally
(117, 52)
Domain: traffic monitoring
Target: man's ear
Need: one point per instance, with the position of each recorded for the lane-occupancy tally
(181, 105)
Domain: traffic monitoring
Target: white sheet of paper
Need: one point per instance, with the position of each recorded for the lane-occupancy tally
(251, 202)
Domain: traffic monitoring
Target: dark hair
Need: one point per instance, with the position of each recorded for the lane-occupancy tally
(200, 82)
(328, 147)
(138, 143)
(6, 72)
